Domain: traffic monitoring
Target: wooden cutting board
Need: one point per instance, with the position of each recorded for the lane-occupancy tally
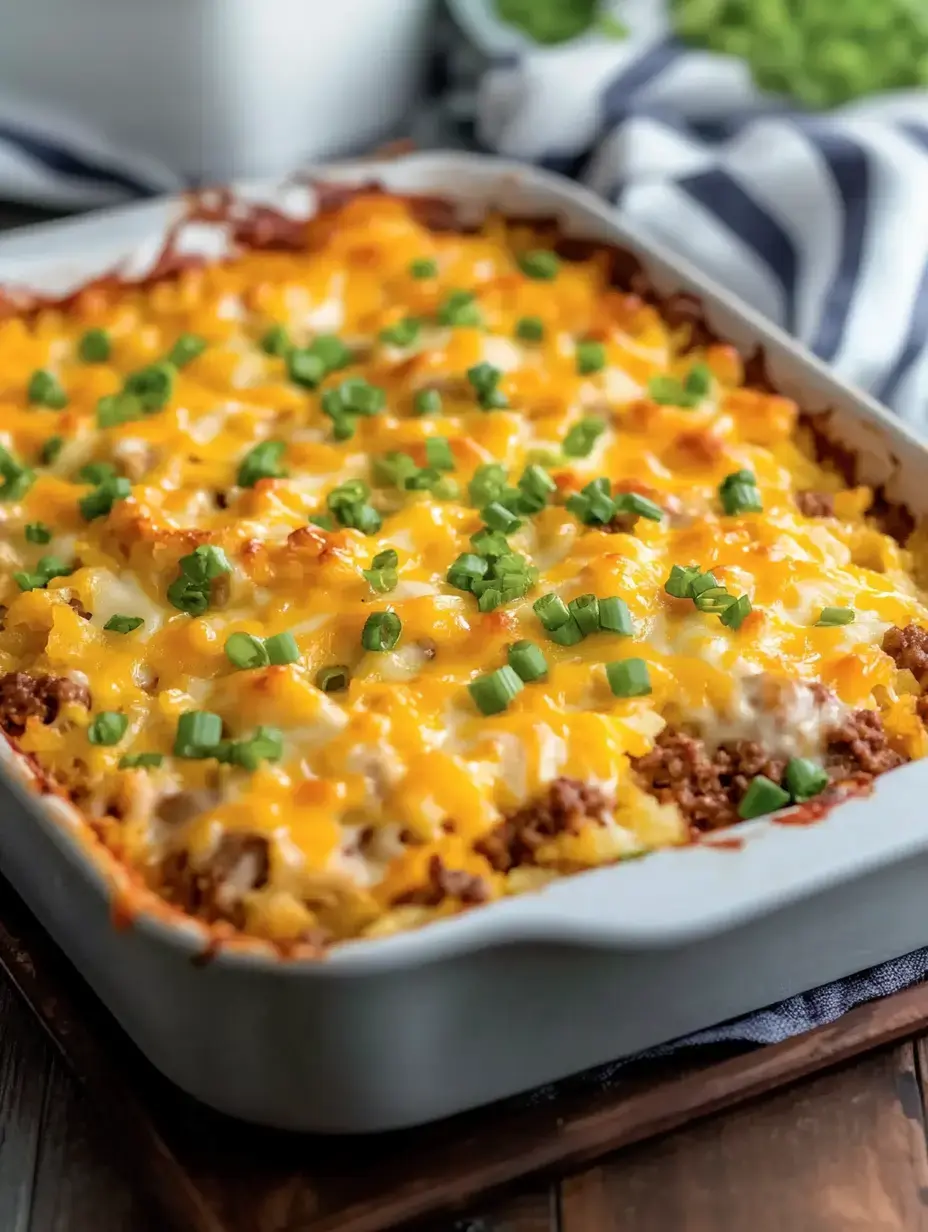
(207, 1173)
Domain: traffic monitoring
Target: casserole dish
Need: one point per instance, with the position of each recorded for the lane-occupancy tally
(399, 1030)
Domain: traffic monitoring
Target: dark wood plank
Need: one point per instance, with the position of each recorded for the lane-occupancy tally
(25, 1059)
(77, 1185)
(842, 1153)
(214, 1175)
(537, 1210)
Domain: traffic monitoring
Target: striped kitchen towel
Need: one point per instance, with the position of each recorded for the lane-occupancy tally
(820, 221)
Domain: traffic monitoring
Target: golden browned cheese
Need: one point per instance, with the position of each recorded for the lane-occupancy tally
(347, 797)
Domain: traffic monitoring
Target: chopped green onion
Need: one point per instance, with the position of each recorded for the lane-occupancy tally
(334, 353)
(191, 590)
(423, 267)
(51, 449)
(381, 631)
(351, 492)
(116, 409)
(567, 635)
(594, 505)
(634, 502)
(585, 611)
(123, 624)
(460, 310)
(135, 761)
(467, 569)
(403, 334)
(427, 402)
(591, 357)
(540, 264)
(364, 518)
(356, 396)
(45, 389)
(95, 346)
(267, 744)
(198, 734)
(394, 468)
(17, 479)
(490, 542)
(715, 600)
(579, 441)
(48, 567)
(831, 617)
(186, 349)
(275, 340)
(530, 329)
(552, 611)
(305, 368)
(498, 517)
(804, 779)
(333, 679)
(614, 617)
(97, 504)
(262, 462)
(95, 472)
(485, 380)
(698, 381)
(38, 532)
(325, 520)
(702, 582)
(282, 649)
(527, 661)
(487, 483)
(438, 453)
(446, 489)
(628, 678)
(245, 651)
(493, 693)
(667, 391)
(382, 574)
(762, 796)
(152, 386)
(681, 579)
(108, 727)
(734, 615)
(536, 483)
(738, 493)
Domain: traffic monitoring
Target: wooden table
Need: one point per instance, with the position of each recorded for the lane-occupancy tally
(843, 1152)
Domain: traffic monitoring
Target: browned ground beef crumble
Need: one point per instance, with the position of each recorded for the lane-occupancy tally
(909, 648)
(815, 504)
(563, 809)
(23, 696)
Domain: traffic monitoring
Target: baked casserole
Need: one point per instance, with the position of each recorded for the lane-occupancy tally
(391, 567)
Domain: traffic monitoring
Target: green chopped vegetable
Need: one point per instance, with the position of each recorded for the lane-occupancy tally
(44, 389)
(591, 357)
(246, 652)
(38, 532)
(403, 334)
(628, 678)
(540, 264)
(198, 734)
(95, 346)
(191, 591)
(804, 779)
(427, 402)
(108, 728)
(186, 349)
(333, 679)
(123, 624)
(530, 329)
(99, 502)
(381, 631)
(138, 761)
(493, 693)
(423, 267)
(762, 796)
(459, 310)
(152, 386)
(527, 661)
(275, 340)
(832, 617)
(262, 462)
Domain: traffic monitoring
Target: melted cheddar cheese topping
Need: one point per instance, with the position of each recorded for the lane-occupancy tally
(130, 459)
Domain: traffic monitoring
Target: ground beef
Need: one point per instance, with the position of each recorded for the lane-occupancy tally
(447, 883)
(860, 746)
(909, 648)
(563, 809)
(706, 787)
(214, 890)
(23, 697)
(816, 504)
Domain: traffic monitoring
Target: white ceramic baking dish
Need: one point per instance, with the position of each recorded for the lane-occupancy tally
(399, 1031)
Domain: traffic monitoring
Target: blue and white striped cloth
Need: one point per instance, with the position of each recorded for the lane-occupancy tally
(818, 221)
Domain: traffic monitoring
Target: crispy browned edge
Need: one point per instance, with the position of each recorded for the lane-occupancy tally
(251, 226)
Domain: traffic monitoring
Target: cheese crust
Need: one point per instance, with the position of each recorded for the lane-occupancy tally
(322, 813)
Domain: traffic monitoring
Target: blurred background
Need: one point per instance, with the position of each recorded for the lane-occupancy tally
(781, 145)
